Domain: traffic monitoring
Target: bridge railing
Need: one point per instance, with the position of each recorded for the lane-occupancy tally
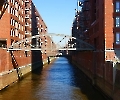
(38, 42)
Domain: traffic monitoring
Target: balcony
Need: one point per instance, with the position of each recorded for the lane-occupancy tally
(27, 9)
(27, 17)
(26, 24)
(26, 1)
(26, 33)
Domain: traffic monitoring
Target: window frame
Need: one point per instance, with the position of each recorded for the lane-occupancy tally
(117, 38)
(117, 6)
(117, 21)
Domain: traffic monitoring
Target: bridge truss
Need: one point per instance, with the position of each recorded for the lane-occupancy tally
(45, 43)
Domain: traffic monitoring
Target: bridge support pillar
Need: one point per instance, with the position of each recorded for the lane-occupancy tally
(48, 60)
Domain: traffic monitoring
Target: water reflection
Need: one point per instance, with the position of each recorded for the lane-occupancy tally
(57, 81)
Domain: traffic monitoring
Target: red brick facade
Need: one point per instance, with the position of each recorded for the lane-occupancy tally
(97, 24)
(20, 20)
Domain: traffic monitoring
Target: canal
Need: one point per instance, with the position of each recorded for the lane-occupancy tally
(57, 81)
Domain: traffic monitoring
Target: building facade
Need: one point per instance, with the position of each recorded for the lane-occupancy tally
(97, 23)
(19, 20)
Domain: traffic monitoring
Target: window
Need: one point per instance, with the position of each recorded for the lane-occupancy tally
(11, 10)
(22, 2)
(18, 7)
(16, 24)
(13, 2)
(13, 33)
(22, 28)
(26, 12)
(22, 11)
(117, 6)
(118, 38)
(16, 33)
(22, 18)
(19, 25)
(19, 35)
(22, 36)
(19, 17)
(16, 13)
(41, 30)
(13, 22)
(3, 43)
(117, 22)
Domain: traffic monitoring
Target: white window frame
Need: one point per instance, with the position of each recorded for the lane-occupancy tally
(117, 8)
(117, 40)
(117, 21)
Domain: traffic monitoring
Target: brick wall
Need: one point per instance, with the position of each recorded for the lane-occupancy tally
(5, 26)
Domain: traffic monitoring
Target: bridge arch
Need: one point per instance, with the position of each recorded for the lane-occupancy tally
(37, 42)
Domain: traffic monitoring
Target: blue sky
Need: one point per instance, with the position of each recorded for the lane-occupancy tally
(57, 14)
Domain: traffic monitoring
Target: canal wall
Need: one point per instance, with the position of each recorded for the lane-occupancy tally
(117, 82)
(102, 74)
(7, 78)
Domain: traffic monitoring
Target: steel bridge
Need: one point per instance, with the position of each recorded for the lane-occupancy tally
(41, 41)
(45, 43)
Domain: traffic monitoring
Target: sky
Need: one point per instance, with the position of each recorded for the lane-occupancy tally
(57, 14)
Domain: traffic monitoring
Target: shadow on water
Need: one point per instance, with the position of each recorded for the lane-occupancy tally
(81, 81)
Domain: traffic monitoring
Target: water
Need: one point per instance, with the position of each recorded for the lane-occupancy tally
(57, 81)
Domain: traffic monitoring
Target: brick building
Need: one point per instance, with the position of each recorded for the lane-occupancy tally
(19, 20)
(97, 23)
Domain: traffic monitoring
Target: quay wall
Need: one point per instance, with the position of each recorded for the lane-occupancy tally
(10, 75)
(104, 75)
